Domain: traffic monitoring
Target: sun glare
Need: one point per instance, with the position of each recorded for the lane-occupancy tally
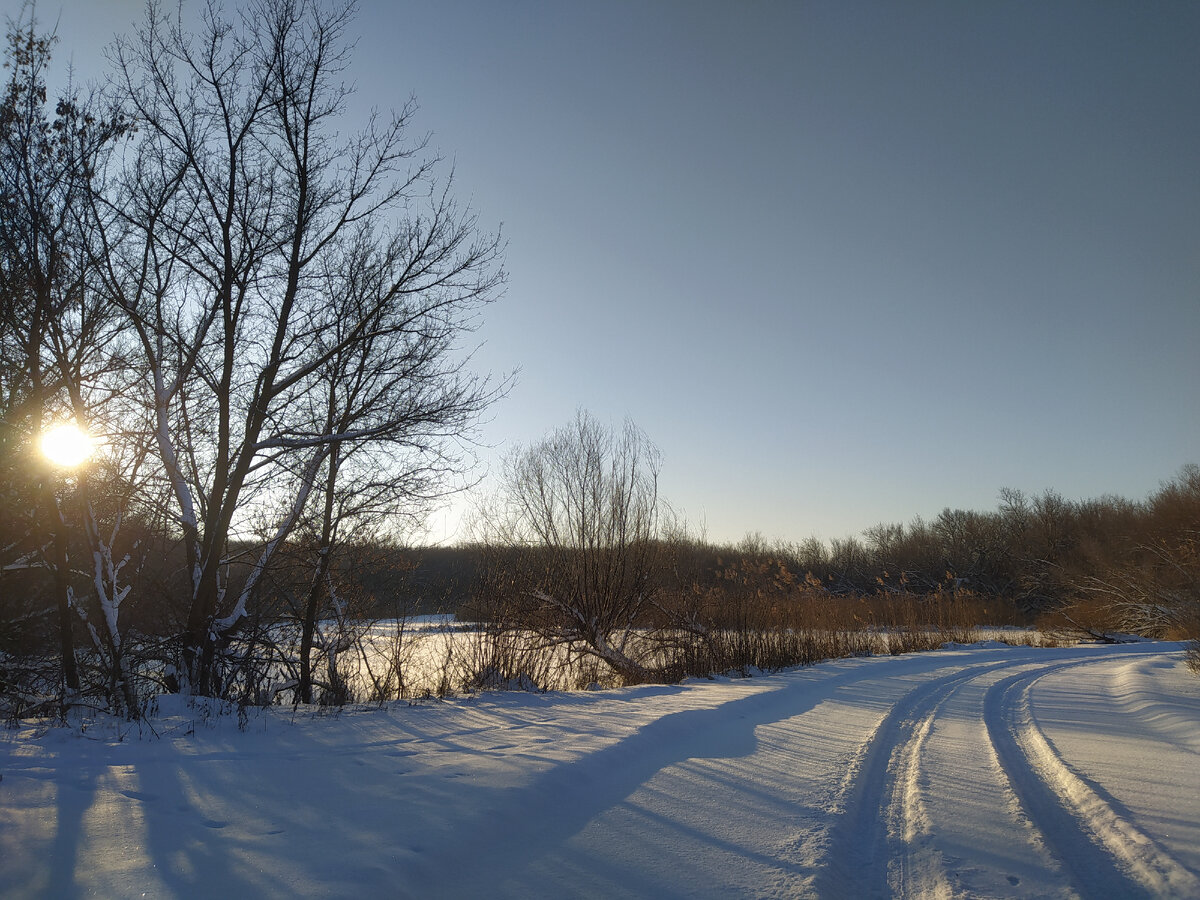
(67, 445)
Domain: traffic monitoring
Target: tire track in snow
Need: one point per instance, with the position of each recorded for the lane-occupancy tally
(876, 847)
(1104, 853)
(916, 871)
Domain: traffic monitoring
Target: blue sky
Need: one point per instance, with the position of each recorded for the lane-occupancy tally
(843, 262)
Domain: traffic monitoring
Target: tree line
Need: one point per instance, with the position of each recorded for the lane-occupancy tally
(579, 552)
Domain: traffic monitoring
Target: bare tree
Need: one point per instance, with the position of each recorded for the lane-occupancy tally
(61, 341)
(394, 400)
(259, 253)
(573, 531)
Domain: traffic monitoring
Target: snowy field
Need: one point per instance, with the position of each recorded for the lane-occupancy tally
(986, 771)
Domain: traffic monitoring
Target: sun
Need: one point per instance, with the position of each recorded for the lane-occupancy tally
(67, 445)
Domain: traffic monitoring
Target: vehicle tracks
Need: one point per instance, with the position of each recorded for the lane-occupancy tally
(875, 843)
(1102, 849)
(1076, 839)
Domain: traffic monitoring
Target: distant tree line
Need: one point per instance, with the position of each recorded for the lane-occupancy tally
(579, 553)
(1030, 557)
(1036, 552)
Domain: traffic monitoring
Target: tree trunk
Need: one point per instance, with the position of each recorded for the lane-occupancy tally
(307, 630)
(313, 603)
(62, 588)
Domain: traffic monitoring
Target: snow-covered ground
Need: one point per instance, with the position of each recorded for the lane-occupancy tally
(986, 771)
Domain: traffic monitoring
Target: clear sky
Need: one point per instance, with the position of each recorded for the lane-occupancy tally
(843, 262)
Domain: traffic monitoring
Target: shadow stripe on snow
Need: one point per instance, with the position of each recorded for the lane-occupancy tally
(576, 792)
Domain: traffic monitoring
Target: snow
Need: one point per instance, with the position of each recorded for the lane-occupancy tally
(979, 771)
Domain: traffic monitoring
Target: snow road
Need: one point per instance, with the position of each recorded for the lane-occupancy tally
(986, 771)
